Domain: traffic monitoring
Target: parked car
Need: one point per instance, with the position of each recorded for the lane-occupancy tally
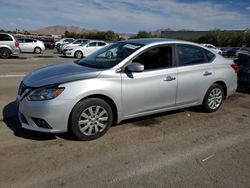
(84, 49)
(243, 63)
(243, 50)
(230, 52)
(74, 43)
(124, 80)
(62, 42)
(49, 43)
(212, 47)
(8, 45)
(31, 45)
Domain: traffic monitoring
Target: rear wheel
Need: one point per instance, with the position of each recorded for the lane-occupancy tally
(5, 53)
(213, 98)
(78, 54)
(37, 50)
(90, 119)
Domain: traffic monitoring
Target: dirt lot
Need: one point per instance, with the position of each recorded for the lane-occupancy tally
(185, 148)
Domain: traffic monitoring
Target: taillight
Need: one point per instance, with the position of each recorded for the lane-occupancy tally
(17, 44)
(235, 67)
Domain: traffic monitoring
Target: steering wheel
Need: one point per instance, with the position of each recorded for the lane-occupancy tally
(109, 55)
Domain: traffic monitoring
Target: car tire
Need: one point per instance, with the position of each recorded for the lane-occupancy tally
(213, 98)
(37, 50)
(90, 119)
(5, 53)
(78, 54)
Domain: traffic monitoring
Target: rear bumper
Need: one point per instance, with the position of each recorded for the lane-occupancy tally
(16, 51)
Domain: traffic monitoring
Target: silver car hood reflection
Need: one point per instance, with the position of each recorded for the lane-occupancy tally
(59, 73)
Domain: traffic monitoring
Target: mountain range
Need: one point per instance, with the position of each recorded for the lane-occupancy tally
(60, 30)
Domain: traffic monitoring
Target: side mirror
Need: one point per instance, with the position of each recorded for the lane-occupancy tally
(135, 67)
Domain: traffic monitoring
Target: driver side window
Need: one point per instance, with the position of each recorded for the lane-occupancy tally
(156, 58)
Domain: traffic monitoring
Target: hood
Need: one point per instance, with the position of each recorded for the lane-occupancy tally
(59, 73)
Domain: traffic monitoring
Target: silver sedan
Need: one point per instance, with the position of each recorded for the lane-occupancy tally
(124, 80)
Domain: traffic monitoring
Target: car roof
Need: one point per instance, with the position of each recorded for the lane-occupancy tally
(146, 41)
(4, 33)
(95, 41)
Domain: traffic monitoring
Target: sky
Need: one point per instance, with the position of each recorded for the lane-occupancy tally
(126, 15)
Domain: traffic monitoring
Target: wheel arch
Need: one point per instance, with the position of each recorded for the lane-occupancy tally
(37, 47)
(78, 51)
(6, 47)
(224, 86)
(106, 99)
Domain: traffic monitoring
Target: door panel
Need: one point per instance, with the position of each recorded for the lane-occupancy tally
(193, 82)
(148, 91)
(90, 48)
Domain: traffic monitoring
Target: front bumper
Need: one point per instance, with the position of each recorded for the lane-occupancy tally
(68, 53)
(54, 112)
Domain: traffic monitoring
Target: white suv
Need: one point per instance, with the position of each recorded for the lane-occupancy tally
(8, 45)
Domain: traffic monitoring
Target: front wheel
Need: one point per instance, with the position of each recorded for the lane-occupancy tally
(213, 98)
(78, 54)
(90, 119)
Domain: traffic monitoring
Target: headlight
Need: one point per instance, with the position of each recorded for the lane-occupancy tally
(42, 94)
(69, 49)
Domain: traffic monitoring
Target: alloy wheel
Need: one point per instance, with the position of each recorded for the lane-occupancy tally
(78, 54)
(215, 98)
(93, 120)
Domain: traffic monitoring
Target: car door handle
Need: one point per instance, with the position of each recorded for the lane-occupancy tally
(207, 73)
(169, 78)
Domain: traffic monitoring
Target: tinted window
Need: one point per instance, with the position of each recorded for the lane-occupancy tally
(156, 58)
(210, 56)
(28, 40)
(68, 40)
(83, 41)
(92, 44)
(189, 55)
(101, 44)
(4, 37)
(77, 42)
(21, 40)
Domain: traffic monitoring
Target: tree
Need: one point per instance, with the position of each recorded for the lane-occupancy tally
(144, 34)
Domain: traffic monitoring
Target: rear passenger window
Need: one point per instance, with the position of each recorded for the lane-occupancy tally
(210, 56)
(101, 44)
(191, 55)
(4, 37)
(21, 40)
(28, 40)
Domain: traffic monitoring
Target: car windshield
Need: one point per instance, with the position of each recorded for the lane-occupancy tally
(110, 55)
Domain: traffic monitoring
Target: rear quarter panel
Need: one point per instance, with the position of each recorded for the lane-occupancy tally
(224, 72)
